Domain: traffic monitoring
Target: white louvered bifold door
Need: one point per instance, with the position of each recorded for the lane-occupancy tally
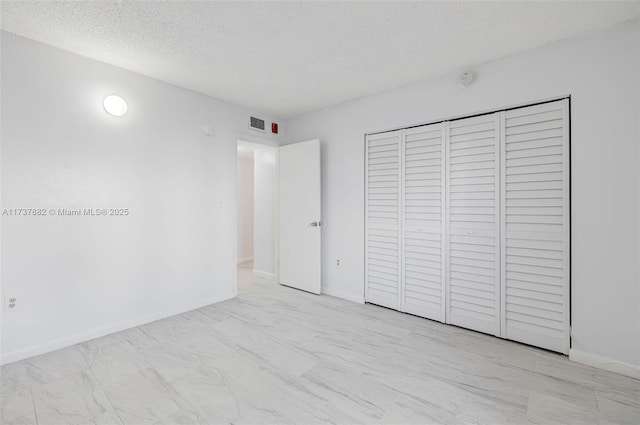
(422, 289)
(383, 193)
(536, 225)
(473, 213)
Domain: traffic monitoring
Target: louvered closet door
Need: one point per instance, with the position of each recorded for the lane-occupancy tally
(422, 290)
(473, 194)
(536, 225)
(383, 219)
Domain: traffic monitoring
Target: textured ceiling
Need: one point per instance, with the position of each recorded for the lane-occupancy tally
(289, 58)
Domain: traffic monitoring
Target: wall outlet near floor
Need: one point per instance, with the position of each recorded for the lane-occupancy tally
(338, 262)
(11, 303)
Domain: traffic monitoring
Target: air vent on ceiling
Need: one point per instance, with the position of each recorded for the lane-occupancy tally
(256, 124)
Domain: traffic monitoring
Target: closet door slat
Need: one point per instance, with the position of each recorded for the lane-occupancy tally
(472, 218)
(383, 240)
(422, 288)
(535, 220)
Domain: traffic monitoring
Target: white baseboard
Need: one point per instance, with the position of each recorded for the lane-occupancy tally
(605, 363)
(343, 295)
(35, 350)
(245, 260)
(264, 275)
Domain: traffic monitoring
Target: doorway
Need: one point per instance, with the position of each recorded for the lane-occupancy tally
(256, 232)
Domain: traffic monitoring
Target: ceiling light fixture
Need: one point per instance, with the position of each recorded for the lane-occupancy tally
(115, 105)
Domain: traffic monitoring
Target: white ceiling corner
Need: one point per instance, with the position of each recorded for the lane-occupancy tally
(289, 58)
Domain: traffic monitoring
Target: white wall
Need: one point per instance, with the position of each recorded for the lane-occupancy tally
(601, 72)
(81, 277)
(245, 208)
(264, 212)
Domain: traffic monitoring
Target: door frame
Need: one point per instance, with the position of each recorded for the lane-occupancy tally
(267, 144)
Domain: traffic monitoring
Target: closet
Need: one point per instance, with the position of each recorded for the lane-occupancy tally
(467, 223)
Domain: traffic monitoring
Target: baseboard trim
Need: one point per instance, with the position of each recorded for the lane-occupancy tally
(606, 363)
(264, 275)
(35, 350)
(343, 295)
(245, 260)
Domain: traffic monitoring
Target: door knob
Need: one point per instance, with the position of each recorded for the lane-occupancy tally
(316, 223)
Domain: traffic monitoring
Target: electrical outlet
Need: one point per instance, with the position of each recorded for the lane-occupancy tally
(338, 262)
(11, 303)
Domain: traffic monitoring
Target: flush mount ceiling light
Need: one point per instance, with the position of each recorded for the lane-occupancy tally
(115, 105)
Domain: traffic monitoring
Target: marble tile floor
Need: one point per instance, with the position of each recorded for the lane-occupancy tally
(275, 355)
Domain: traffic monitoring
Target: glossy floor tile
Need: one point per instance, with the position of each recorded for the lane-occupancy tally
(276, 355)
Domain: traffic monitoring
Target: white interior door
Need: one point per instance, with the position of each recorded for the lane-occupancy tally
(468, 222)
(536, 225)
(383, 239)
(423, 211)
(473, 220)
(299, 216)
